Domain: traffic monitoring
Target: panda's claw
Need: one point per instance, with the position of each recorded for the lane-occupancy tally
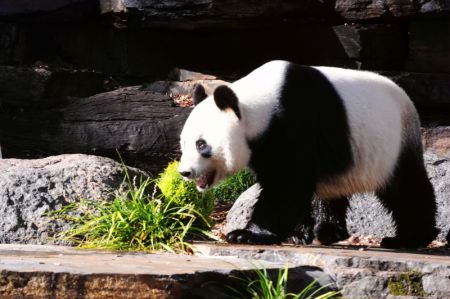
(243, 236)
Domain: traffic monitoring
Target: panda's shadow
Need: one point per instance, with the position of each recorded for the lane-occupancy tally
(363, 249)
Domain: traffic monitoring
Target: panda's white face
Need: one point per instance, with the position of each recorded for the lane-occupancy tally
(213, 144)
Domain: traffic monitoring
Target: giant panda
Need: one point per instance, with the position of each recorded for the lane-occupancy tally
(310, 132)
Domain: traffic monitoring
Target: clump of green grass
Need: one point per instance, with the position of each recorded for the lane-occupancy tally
(139, 219)
(136, 219)
(232, 187)
(182, 192)
(263, 287)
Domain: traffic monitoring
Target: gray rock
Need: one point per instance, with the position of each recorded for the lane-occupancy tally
(242, 210)
(437, 282)
(366, 215)
(438, 168)
(31, 188)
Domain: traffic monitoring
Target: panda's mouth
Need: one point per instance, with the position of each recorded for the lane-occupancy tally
(206, 180)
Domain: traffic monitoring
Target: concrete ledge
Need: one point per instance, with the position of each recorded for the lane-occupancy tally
(65, 272)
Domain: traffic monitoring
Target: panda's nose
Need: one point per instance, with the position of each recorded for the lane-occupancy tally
(185, 174)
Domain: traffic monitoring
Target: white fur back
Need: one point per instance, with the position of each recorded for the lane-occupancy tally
(258, 93)
(375, 109)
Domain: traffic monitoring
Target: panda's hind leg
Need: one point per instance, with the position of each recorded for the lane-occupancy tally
(330, 215)
(410, 197)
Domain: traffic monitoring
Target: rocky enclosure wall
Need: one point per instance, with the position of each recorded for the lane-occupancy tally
(84, 76)
(55, 55)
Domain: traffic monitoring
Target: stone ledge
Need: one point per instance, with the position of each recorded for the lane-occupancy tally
(64, 272)
(358, 273)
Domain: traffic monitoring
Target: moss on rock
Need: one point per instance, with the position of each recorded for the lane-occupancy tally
(407, 284)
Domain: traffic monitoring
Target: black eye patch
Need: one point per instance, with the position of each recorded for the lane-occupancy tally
(203, 148)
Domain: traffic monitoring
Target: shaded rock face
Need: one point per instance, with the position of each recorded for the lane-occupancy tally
(365, 215)
(26, 87)
(31, 188)
(361, 9)
(141, 125)
(148, 38)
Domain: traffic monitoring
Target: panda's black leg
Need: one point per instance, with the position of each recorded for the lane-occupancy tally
(410, 197)
(331, 225)
(275, 215)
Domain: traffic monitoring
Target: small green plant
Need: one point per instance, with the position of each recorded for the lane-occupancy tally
(182, 192)
(135, 220)
(263, 287)
(407, 284)
(232, 187)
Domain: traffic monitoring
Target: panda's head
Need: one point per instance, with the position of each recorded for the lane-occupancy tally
(213, 141)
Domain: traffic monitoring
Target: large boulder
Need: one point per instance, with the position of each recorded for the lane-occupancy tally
(366, 215)
(29, 189)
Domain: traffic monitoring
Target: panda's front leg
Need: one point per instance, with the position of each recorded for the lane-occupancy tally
(278, 210)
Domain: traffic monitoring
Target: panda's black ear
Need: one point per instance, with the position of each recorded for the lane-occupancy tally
(225, 98)
(199, 94)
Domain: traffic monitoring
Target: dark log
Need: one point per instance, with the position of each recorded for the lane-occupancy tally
(143, 126)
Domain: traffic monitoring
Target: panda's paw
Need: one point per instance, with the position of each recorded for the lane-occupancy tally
(409, 243)
(243, 236)
(329, 233)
